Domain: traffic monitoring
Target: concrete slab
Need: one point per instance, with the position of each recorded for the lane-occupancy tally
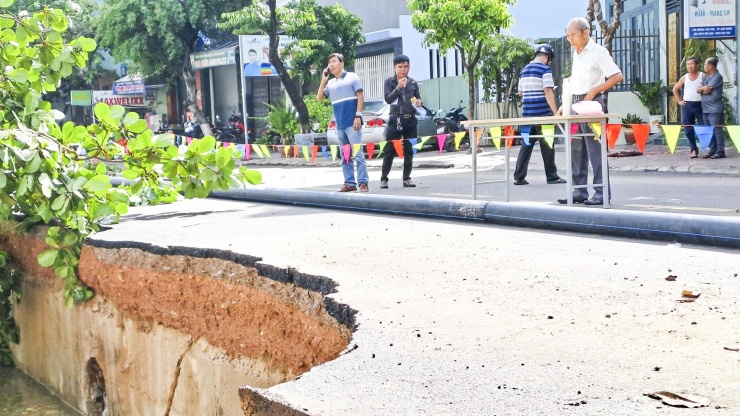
(458, 318)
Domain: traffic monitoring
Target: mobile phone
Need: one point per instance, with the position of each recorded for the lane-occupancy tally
(326, 71)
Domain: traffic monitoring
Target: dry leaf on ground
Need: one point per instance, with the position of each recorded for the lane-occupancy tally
(690, 293)
(671, 278)
(679, 400)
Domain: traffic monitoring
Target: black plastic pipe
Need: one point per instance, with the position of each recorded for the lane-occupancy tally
(682, 228)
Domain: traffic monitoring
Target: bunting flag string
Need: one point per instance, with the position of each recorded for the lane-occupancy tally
(671, 136)
(641, 131)
(524, 131)
(548, 130)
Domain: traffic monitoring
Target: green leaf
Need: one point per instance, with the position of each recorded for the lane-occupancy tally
(58, 202)
(19, 75)
(131, 174)
(130, 119)
(138, 126)
(121, 208)
(98, 183)
(6, 3)
(101, 169)
(48, 257)
(162, 140)
(102, 111)
(117, 111)
(87, 44)
(3, 179)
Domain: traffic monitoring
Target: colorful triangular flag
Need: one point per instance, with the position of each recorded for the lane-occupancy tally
(381, 146)
(346, 152)
(704, 133)
(334, 150)
(496, 136)
(642, 131)
(441, 139)
(413, 145)
(258, 150)
(370, 150)
(671, 136)
(265, 150)
(612, 134)
(325, 153)
(304, 149)
(548, 130)
(596, 127)
(314, 151)
(399, 147)
(734, 133)
(525, 130)
(458, 138)
(355, 148)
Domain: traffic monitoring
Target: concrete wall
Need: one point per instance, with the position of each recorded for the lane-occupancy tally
(375, 15)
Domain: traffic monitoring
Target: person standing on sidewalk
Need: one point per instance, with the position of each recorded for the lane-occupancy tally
(345, 93)
(593, 72)
(402, 93)
(536, 88)
(691, 112)
(713, 107)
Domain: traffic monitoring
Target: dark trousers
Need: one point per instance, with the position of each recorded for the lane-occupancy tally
(525, 153)
(691, 114)
(408, 131)
(717, 145)
(582, 150)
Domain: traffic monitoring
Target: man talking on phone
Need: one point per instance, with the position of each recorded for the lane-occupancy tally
(345, 93)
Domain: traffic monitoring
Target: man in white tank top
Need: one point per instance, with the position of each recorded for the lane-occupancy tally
(691, 102)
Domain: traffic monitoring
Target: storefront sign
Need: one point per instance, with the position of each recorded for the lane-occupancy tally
(218, 57)
(711, 19)
(132, 87)
(80, 97)
(123, 100)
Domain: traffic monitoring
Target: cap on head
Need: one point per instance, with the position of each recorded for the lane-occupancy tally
(400, 59)
(545, 49)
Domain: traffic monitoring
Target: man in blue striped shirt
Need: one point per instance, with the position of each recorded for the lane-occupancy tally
(536, 88)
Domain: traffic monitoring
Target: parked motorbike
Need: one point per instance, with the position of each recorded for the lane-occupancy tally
(450, 123)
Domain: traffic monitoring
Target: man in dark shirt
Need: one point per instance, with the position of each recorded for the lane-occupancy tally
(402, 93)
(713, 108)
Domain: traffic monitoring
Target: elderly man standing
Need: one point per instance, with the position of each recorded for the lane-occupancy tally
(711, 104)
(593, 72)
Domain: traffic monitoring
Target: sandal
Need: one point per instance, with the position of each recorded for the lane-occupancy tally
(694, 154)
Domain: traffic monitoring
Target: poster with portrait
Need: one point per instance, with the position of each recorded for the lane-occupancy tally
(255, 51)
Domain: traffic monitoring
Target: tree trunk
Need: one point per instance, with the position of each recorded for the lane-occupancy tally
(291, 87)
(471, 93)
(191, 101)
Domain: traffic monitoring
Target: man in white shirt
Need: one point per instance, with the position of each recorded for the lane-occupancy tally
(691, 102)
(593, 72)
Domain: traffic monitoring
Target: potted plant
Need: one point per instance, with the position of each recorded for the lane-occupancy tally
(283, 121)
(627, 122)
(651, 96)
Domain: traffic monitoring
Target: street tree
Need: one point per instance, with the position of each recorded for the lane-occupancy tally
(466, 25)
(49, 174)
(316, 32)
(158, 38)
(502, 60)
(608, 30)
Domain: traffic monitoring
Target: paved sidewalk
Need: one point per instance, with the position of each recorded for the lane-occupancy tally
(655, 158)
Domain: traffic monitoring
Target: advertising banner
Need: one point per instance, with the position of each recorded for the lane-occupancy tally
(129, 87)
(255, 51)
(110, 98)
(218, 57)
(711, 19)
(81, 97)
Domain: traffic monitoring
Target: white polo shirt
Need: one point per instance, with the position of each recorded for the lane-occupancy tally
(590, 68)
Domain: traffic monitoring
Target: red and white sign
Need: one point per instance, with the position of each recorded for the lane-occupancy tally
(123, 100)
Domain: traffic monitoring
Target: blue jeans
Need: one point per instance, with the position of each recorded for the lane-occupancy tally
(351, 136)
(691, 114)
(717, 145)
